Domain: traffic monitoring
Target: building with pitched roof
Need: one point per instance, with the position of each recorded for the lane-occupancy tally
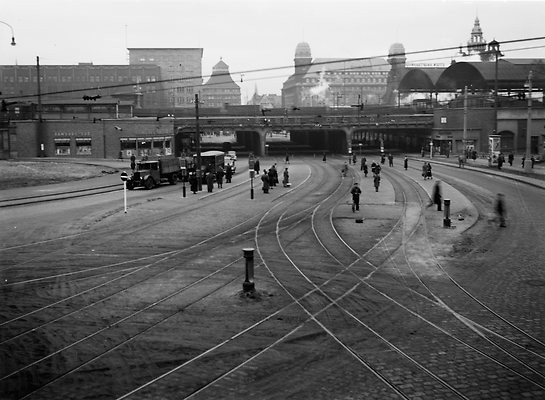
(220, 89)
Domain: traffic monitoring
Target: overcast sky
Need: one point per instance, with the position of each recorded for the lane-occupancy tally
(258, 34)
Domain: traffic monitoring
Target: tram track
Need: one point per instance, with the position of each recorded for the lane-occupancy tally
(302, 312)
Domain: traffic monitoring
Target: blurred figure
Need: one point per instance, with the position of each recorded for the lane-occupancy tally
(406, 163)
(436, 197)
(499, 209)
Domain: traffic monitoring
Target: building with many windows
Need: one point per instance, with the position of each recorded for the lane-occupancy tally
(181, 73)
(334, 82)
(220, 89)
(72, 82)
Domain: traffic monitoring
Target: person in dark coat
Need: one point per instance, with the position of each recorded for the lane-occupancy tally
(286, 178)
(193, 182)
(363, 162)
(405, 163)
(265, 180)
(499, 209)
(133, 162)
(436, 197)
(256, 165)
(365, 169)
(501, 160)
(228, 173)
(356, 191)
(390, 160)
(219, 177)
(510, 159)
(210, 182)
(428, 171)
(376, 181)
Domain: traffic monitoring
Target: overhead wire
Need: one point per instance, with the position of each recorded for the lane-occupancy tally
(270, 69)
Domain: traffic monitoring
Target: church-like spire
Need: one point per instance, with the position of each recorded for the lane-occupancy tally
(476, 43)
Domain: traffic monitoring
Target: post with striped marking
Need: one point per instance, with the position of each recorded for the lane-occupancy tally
(124, 178)
(446, 219)
(248, 284)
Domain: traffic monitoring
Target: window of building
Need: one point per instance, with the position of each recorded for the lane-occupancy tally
(62, 147)
(83, 146)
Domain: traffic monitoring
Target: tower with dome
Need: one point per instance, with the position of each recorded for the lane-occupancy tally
(334, 82)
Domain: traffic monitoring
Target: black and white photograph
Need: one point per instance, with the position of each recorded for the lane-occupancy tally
(272, 200)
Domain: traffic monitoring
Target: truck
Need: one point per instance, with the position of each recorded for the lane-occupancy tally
(151, 172)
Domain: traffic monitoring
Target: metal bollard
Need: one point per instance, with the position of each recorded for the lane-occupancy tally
(446, 219)
(248, 284)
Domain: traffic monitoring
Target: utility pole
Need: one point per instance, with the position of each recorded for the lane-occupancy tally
(464, 137)
(528, 155)
(198, 141)
(41, 145)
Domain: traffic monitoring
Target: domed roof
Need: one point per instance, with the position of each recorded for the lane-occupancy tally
(303, 50)
(396, 50)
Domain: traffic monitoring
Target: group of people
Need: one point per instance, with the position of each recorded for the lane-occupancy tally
(269, 178)
(211, 177)
(426, 170)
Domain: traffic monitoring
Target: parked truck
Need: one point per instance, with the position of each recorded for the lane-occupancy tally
(151, 172)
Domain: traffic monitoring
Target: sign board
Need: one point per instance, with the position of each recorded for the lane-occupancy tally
(124, 176)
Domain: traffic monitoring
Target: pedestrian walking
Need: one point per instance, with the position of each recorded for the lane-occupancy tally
(287, 158)
(324, 158)
(256, 165)
(286, 178)
(363, 162)
(390, 160)
(523, 160)
(344, 170)
(354, 158)
(428, 171)
(365, 170)
(133, 162)
(510, 159)
(210, 182)
(376, 181)
(405, 163)
(382, 158)
(228, 173)
(501, 160)
(193, 182)
(424, 170)
(219, 177)
(436, 197)
(460, 161)
(533, 161)
(356, 191)
(499, 209)
(265, 180)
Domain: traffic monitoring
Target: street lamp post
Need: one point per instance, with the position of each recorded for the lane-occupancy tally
(527, 163)
(494, 48)
(12, 34)
(198, 142)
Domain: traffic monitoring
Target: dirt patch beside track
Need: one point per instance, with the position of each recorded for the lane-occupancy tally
(31, 173)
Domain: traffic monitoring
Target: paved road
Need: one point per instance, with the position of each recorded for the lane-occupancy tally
(166, 243)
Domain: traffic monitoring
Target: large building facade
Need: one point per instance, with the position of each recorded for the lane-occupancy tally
(220, 89)
(154, 78)
(181, 73)
(334, 82)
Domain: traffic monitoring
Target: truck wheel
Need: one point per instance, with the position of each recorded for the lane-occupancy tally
(149, 183)
(172, 179)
